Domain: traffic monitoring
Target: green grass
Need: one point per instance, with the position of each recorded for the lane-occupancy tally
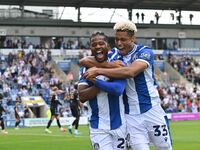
(36, 139)
(185, 134)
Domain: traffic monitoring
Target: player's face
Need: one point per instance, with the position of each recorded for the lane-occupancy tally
(99, 48)
(124, 42)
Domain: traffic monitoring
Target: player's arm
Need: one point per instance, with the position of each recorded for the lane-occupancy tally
(145, 59)
(115, 87)
(90, 61)
(87, 92)
(86, 89)
(125, 72)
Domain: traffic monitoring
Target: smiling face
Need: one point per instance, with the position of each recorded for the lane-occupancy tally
(99, 47)
(124, 42)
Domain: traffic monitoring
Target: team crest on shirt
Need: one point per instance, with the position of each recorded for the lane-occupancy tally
(145, 55)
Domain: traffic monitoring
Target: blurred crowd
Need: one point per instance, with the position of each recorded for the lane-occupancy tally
(186, 66)
(178, 98)
(30, 75)
(52, 43)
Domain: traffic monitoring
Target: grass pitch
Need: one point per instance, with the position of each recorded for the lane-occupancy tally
(185, 135)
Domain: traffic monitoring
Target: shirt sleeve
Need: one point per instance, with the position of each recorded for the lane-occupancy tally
(115, 87)
(113, 55)
(146, 55)
(82, 80)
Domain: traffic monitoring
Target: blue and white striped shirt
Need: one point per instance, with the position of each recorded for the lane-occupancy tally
(107, 110)
(141, 93)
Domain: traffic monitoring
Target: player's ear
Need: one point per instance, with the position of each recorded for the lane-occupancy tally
(133, 38)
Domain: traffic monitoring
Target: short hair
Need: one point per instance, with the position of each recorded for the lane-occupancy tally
(99, 33)
(126, 26)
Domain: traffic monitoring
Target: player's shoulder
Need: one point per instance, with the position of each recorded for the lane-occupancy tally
(113, 54)
(145, 53)
(113, 50)
(144, 49)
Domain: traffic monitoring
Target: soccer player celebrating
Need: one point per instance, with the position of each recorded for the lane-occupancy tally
(54, 108)
(146, 120)
(1, 116)
(104, 95)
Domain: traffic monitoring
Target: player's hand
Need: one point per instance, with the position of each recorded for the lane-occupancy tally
(119, 63)
(91, 73)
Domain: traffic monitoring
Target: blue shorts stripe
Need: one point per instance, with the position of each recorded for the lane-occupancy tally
(167, 122)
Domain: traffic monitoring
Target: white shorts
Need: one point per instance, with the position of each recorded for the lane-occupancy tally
(151, 126)
(108, 139)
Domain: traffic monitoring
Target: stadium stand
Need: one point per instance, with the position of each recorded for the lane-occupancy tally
(29, 75)
(33, 60)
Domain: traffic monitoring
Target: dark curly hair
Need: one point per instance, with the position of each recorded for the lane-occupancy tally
(99, 33)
